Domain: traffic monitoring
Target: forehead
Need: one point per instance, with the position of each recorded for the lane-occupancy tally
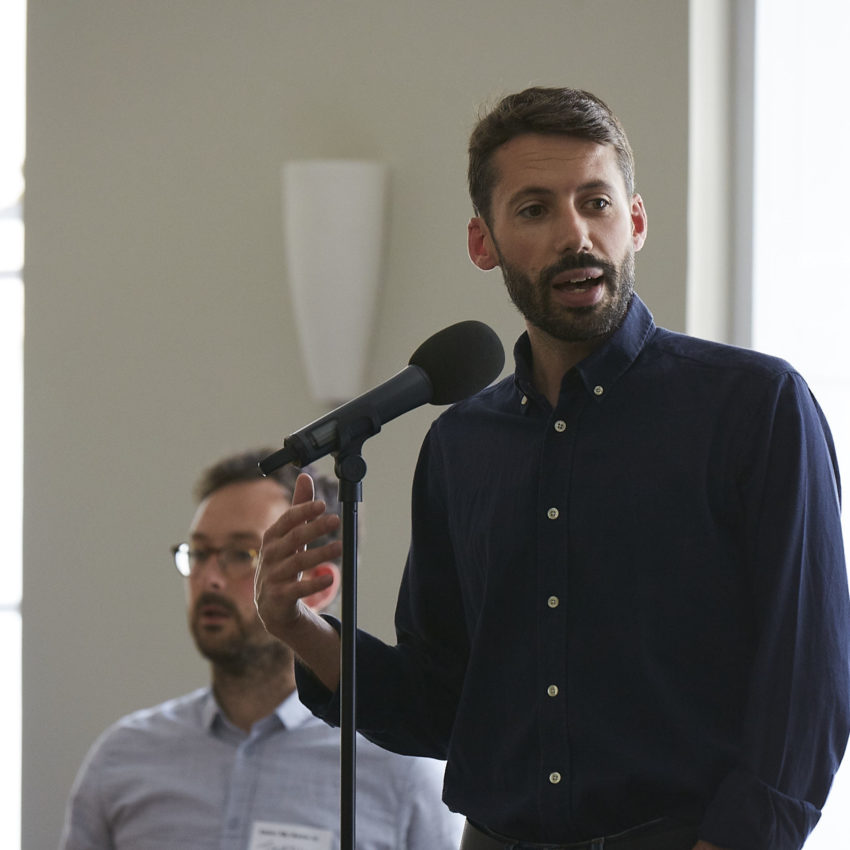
(248, 507)
(554, 162)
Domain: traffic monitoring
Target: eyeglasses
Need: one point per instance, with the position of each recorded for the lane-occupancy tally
(233, 561)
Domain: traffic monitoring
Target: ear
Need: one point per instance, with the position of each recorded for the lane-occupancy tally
(321, 599)
(479, 242)
(638, 214)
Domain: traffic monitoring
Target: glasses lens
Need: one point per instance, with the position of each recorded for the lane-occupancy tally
(239, 560)
(181, 559)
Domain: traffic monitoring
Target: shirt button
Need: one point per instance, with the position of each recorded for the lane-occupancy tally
(553, 513)
(553, 602)
(597, 390)
(552, 690)
(554, 777)
(560, 426)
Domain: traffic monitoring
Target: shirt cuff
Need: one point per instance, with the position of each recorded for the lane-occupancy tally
(747, 814)
(322, 702)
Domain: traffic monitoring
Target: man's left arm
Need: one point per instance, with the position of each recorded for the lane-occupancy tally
(795, 727)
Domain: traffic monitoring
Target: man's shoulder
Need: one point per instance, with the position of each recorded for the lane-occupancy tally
(704, 353)
(498, 397)
(166, 719)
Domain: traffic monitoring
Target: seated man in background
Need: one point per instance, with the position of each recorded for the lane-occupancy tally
(229, 765)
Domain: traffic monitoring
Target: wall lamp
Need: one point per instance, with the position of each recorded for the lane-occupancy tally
(334, 215)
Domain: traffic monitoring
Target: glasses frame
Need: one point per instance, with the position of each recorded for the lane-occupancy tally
(180, 555)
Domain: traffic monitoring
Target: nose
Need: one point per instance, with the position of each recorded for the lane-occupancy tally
(211, 574)
(572, 234)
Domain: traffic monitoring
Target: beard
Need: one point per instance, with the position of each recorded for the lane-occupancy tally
(238, 646)
(572, 324)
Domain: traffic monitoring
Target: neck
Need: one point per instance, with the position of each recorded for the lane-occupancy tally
(552, 358)
(252, 693)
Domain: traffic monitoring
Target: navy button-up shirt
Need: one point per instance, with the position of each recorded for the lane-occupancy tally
(630, 606)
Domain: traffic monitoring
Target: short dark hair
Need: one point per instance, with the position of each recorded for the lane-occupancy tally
(244, 466)
(549, 111)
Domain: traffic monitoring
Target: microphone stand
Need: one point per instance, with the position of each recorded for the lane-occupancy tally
(350, 468)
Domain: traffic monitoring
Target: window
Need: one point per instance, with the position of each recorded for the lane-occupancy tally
(801, 264)
(12, 75)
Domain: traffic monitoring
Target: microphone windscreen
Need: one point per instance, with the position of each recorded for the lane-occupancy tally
(460, 360)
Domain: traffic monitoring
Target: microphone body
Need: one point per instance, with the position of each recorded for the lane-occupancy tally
(355, 421)
(450, 365)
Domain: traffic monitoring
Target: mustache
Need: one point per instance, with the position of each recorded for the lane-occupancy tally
(210, 598)
(577, 261)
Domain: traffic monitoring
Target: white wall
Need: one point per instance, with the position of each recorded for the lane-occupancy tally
(158, 330)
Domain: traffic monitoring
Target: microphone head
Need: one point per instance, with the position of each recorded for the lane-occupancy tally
(460, 360)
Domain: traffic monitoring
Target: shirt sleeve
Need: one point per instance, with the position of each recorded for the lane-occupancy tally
(798, 713)
(86, 827)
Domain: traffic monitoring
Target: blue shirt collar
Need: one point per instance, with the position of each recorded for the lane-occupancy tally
(601, 369)
(291, 713)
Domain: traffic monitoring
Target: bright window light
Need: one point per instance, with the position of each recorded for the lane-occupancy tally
(801, 280)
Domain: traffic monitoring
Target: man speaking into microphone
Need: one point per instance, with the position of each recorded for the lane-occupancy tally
(624, 617)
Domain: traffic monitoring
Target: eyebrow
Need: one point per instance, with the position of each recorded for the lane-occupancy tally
(236, 535)
(548, 192)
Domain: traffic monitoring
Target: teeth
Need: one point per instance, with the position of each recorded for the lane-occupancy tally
(580, 280)
(582, 285)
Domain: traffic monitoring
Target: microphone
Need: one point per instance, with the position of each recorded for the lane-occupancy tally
(450, 365)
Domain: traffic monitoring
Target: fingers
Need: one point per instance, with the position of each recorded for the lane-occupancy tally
(304, 489)
(297, 527)
(285, 571)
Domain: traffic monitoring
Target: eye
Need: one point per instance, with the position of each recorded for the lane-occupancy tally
(199, 556)
(532, 211)
(599, 203)
(241, 556)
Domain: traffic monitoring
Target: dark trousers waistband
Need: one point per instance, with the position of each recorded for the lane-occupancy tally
(662, 834)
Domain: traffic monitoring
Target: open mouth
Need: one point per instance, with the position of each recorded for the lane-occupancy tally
(578, 288)
(212, 614)
(582, 286)
(579, 279)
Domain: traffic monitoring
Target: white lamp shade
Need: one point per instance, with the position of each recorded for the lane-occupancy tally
(333, 222)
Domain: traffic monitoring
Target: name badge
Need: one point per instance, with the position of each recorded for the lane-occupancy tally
(288, 836)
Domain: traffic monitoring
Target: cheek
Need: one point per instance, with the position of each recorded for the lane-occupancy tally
(244, 600)
(621, 238)
(526, 257)
(190, 593)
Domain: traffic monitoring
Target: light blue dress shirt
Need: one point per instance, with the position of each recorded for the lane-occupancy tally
(180, 776)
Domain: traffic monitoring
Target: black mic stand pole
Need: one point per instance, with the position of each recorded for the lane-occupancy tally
(350, 468)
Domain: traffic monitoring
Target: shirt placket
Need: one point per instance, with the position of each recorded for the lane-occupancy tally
(553, 604)
(237, 819)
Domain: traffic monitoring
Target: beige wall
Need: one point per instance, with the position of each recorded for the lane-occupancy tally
(159, 331)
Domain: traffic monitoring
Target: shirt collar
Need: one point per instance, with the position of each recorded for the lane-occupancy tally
(210, 710)
(291, 713)
(601, 369)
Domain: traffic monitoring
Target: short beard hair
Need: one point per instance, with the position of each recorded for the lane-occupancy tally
(238, 655)
(578, 324)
